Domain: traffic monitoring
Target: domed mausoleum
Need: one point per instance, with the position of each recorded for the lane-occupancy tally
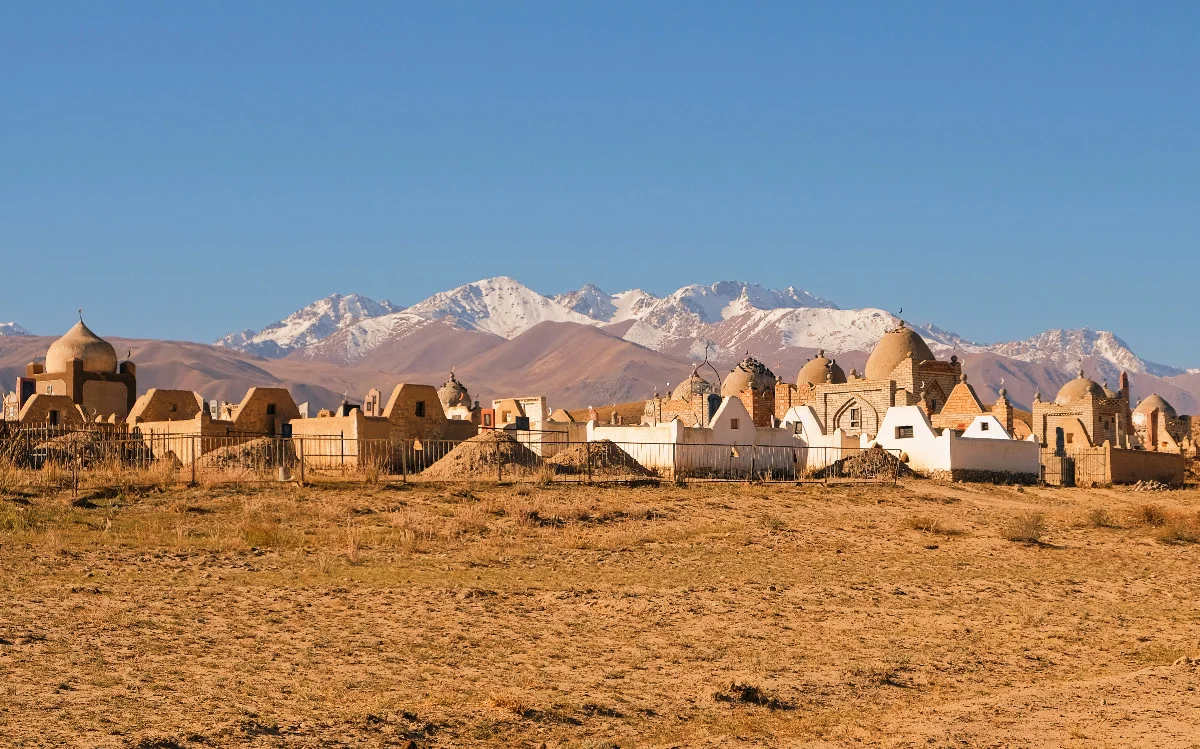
(83, 367)
(900, 371)
(1084, 413)
(820, 370)
(1159, 426)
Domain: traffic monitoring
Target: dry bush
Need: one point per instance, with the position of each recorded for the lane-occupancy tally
(1099, 517)
(1148, 514)
(1028, 528)
(750, 694)
(1179, 530)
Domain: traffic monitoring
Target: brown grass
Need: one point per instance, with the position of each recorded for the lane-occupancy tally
(483, 615)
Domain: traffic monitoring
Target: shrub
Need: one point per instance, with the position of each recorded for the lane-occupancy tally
(1101, 518)
(1028, 528)
(1155, 515)
(1179, 530)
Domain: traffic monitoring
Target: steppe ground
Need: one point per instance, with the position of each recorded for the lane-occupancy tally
(925, 614)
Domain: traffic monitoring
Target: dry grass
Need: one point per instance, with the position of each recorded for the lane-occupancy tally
(490, 615)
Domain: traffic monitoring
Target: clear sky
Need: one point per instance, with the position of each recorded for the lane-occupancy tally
(185, 169)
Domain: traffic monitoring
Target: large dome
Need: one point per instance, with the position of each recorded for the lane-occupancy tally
(1156, 401)
(693, 385)
(896, 346)
(453, 393)
(81, 343)
(820, 370)
(1078, 389)
(751, 374)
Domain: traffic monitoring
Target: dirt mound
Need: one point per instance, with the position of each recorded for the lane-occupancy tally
(607, 460)
(262, 453)
(477, 459)
(872, 463)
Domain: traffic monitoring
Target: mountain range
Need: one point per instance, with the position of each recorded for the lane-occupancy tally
(590, 347)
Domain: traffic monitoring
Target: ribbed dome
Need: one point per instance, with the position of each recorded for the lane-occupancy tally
(896, 346)
(1078, 389)
(751, 374)
(693, 385)
(453, 393)
(817, 371)
(1156, 401)
(81, 343)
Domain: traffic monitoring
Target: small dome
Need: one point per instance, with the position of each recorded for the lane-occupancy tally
(81, 343)
(693, 385)
(453, 393)
(751, 374)
(820, 370)
(1156, 401)
(1078, 389)
(894, 347)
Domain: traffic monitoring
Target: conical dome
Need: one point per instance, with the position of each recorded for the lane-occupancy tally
(820, 370)
(1078, 389)
(896, 346)
(751, 374)
(81, 343)
(453, 393)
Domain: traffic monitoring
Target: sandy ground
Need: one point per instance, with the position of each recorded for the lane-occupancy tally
(719, 615)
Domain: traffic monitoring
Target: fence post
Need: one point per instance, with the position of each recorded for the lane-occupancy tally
(300, 457)
(404, 460)
(499, 469)
(74, 469)
(589, 461)
(753, 459)
(195, 458)
(342, 448)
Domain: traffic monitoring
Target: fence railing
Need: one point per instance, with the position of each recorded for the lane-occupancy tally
(97, 459)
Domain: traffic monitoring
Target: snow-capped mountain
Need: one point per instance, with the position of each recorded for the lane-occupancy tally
(733, 316)
(501, 306)
(308, 325)
(1065, 349)
(12, 329)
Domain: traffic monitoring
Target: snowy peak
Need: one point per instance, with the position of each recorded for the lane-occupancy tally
(501, 306)
(308, 325)
(1066, 349)
(589, 301)
(11, 329)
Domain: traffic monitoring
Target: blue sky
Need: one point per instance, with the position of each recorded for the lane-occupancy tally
(181, 170)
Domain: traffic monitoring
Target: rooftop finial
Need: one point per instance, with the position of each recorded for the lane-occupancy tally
(80, 311)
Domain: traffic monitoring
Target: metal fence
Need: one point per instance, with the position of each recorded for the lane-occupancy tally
(48, 459)
(1085, 467)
